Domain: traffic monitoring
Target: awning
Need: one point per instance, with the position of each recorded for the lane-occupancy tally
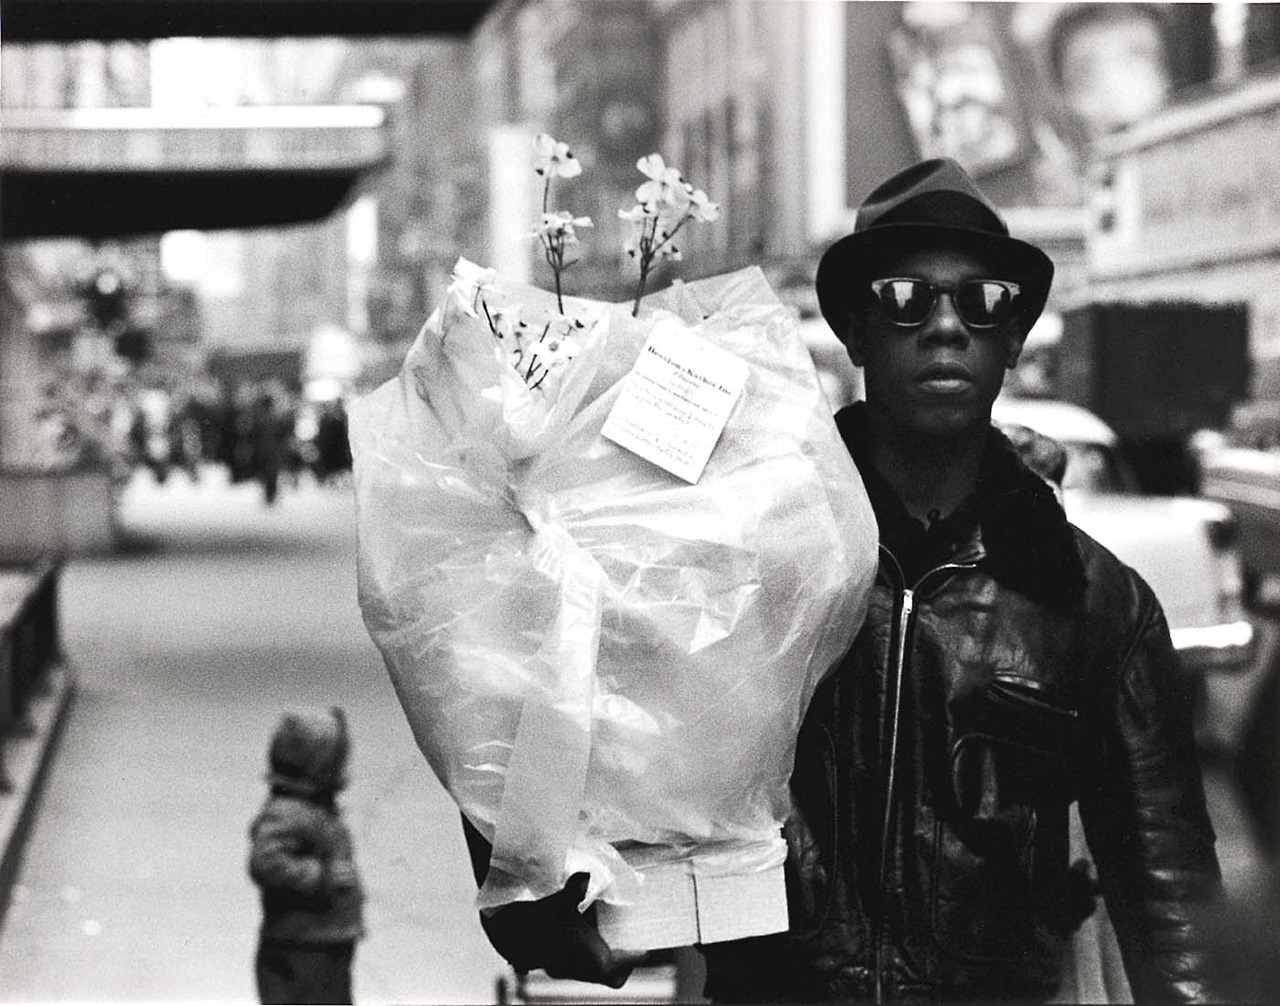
(104, 20)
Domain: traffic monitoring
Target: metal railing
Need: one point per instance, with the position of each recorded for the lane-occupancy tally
(29, 644)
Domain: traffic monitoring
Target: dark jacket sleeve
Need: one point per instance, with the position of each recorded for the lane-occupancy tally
(282, 856)
(478, 849)
(1144, 815)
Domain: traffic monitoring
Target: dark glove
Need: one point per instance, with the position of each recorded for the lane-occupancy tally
(553, 935)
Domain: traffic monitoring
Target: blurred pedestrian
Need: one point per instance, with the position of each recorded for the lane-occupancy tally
(333, 451)
(185, 441)
(272, 432)
(237, 433)
(149, 435)
(302, 858)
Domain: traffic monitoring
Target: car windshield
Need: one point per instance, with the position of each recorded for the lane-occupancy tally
(1094, 468)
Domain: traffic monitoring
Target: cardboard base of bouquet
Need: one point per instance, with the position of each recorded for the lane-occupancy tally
(678, 907)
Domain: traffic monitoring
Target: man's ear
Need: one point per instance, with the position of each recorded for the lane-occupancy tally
(853, 335)
(1016, 339)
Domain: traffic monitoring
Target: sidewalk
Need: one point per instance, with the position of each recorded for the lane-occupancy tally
(27, 758)
(185, 649)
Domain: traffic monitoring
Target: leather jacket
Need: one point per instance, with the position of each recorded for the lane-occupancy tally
(937, 765)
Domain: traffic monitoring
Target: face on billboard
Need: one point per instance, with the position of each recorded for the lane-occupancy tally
(1113, 67)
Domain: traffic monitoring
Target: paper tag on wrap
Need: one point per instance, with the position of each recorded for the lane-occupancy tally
(675, 402)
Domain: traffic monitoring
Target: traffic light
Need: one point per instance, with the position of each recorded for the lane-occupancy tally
(134, 344)
(108, 299)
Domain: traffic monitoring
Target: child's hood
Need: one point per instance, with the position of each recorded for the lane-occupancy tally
(309, 751)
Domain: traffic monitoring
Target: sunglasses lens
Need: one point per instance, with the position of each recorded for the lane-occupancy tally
(905, 301)
(984, 303)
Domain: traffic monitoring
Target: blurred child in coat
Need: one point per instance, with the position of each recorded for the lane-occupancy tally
(301, 858)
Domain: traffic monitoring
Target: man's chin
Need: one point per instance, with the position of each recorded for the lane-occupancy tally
(950, 422)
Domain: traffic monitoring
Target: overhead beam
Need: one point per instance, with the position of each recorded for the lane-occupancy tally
(99, 173)
(112, 20)
(121, 204)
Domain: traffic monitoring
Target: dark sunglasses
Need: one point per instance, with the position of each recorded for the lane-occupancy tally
(980, 303)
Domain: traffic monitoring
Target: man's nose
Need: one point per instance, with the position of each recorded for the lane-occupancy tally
(944, 324)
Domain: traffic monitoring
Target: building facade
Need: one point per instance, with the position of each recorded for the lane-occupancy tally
(262, 290)
(1183, 204)
(793, 112)
(49, 347)
(1191, 212)
(591, 75)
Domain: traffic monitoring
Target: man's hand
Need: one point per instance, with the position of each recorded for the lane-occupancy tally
(553, 935)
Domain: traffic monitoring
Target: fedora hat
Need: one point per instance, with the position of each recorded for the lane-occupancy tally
(931, 204)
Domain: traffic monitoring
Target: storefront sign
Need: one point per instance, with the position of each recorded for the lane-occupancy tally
(1201, 197)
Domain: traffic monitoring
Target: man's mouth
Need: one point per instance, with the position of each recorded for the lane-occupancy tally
(944, 379)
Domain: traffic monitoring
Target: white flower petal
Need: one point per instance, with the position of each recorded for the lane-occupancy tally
(652, 166)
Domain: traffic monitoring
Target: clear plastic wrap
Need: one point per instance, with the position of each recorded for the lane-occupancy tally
(592, 653)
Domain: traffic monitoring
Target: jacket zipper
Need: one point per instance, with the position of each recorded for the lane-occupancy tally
(899, 660)
(892, 718)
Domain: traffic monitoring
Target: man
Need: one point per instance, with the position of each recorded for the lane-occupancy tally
(1008, 666)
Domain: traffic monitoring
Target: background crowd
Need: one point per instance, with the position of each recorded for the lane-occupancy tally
(259, 432)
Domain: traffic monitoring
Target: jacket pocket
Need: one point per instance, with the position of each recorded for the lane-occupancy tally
(1024, 710)
(1009, 774)
(981, 905)
(1020, 739)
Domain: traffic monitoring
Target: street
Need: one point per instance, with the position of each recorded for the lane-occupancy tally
(187, 646)
(220, 613)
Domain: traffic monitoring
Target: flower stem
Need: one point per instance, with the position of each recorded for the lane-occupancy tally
(557, 267)
(644, 274)
(674, 231)
(647, 249)
(555, 255)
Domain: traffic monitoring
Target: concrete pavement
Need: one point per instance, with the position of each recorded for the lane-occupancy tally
(185, 648)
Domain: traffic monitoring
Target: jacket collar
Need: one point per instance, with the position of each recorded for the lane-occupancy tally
(1023, 537)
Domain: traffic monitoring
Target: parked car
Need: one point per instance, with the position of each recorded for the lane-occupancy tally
(1186, 548)
(1239, 466)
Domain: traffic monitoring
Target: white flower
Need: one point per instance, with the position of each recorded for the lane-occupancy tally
(560, 227)
(506, 324)
(637, 214)
(555, 160)
(547, 359)
(700, 208)
(665, 185)
(469, 283)
(557, 350)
